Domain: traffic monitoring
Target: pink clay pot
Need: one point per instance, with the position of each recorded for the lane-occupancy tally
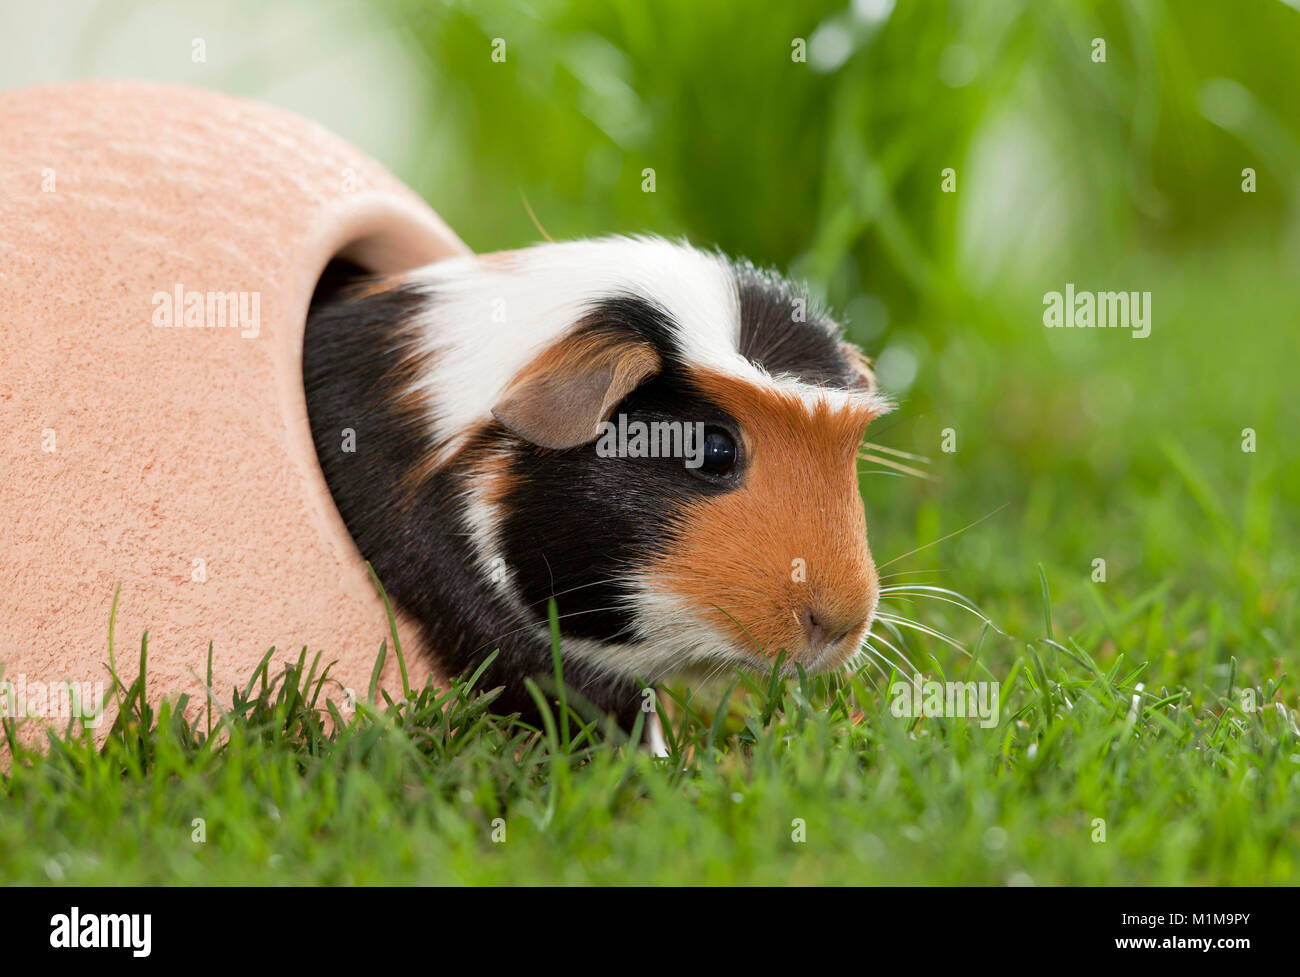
(150, 457)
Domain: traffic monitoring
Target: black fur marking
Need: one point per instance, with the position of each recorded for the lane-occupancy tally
(577, 523)
(629, 315)
(771, 337)
(574, 523)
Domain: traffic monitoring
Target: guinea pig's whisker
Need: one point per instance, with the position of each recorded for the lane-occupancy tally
(941, 594)
(850, 667)
(928, 588)
(904, 622)
(870, 656)
(896, 465)
(717, 670)
(943, 600)
(570, 590)
(866, 658)
(885, 658)
(897, 453)
(990, 515)
(907, 573)
(896, 633)
(561, 617)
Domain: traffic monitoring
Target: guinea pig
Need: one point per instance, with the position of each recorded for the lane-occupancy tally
(662, 440)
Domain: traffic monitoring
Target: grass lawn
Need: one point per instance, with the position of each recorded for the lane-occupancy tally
(1188, 786)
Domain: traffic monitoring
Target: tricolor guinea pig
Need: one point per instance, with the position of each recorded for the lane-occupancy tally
(662, 440)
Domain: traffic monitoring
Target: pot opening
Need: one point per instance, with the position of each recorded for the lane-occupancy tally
(338, 275)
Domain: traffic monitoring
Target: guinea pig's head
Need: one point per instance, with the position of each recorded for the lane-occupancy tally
(671, 454)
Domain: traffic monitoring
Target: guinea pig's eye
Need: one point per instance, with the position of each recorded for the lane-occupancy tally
(720, 453)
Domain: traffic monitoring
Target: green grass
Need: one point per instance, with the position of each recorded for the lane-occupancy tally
(433, 788)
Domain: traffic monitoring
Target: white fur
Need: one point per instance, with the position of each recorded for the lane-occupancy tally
(484, 528)
(667, 638)
(656, 742)
(489, 318)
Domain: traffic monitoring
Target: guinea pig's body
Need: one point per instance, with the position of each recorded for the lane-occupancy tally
(661, 440)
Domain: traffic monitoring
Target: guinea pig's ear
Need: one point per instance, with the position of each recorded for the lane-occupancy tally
(865, 376)
(559, 399)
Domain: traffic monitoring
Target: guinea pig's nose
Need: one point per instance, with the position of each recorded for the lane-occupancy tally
(820, 627)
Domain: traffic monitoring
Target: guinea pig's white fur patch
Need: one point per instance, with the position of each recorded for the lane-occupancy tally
(492, 315)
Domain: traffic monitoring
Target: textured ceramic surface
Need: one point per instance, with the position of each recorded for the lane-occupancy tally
(176, 460)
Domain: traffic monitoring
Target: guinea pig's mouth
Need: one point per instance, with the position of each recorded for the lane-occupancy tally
(827, 653)
(672, 641)
(713, 661)
(834, 654)
(829, 656)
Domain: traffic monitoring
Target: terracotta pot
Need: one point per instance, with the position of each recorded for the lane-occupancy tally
(176, 460)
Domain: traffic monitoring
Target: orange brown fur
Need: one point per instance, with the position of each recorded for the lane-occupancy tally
(373, 286)
(799, 500)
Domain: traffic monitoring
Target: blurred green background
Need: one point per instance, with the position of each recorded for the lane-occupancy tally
(1122, 174)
